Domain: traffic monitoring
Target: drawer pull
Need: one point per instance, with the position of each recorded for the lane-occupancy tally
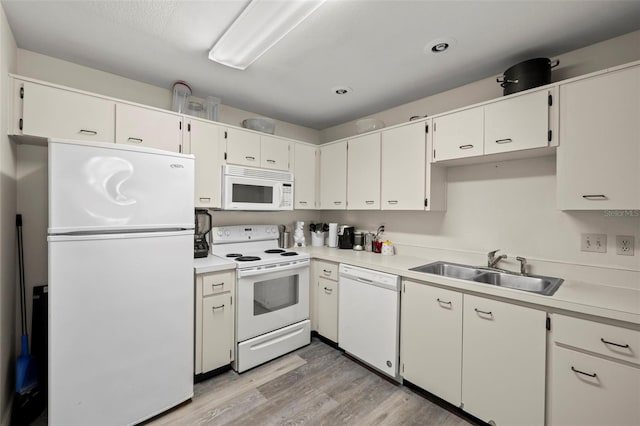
(606, 342)
(302, 202)
(326, 271)
(501, 141)
(583, 373)
(337, 203)
(483, 312)
(217, 285)
(369, 202)
(205, 199)
(392, 201)
(250, 158)
(469, 146)
(271, 161)
(88, 132)
(328, 290)
(134, 140)
(595, 197)
(443, 302)
(217, 307)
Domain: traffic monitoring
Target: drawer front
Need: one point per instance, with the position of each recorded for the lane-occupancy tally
(587, 390)
(217, 283)
(609, 340)
(328, 270)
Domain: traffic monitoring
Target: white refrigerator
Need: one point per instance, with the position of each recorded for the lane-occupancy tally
(120, 243)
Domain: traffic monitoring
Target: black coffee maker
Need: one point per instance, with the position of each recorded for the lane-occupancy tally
(203, 226)
(345, 237)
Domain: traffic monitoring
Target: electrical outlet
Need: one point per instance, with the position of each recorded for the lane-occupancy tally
(625, 245)
(594, 242)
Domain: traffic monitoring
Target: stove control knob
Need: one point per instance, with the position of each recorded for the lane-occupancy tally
(227, 233)
(219, 232)
(273, 229)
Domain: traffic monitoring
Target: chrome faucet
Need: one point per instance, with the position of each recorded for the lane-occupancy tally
(492, 260)
(523, 265)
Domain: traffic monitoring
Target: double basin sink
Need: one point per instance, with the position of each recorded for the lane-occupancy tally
(538, 284)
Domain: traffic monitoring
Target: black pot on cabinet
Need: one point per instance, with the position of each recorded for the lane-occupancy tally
(527, 75)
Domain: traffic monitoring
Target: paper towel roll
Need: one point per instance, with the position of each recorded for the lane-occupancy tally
(333, 235)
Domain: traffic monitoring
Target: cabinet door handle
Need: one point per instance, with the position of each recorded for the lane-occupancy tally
(337, 203)
(134, 140)
(250, 158)
(328, 290)
(271, 161)
(483, 312)
(392, 201)
(88, 132)
(595, 197)
(582, 372)
(369, 202)
(302, 202)
(444, 302)
(205, 199)
(468, 146)
(217, 307)
(508, 140)
(606, 342)
(217, 285)
(327, 272)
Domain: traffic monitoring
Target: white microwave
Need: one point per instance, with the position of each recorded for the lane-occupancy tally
(246, 188)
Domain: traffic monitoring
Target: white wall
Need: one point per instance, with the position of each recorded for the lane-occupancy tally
(602, 55)
(53, 70)
(8, 196)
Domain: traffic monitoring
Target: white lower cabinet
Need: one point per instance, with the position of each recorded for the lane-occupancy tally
(503, 366)
(594, 374)
(214, 321)
(431, 339)
(327, 302)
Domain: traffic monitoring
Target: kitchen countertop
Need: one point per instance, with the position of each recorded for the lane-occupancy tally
(616, 303)
(212, 263)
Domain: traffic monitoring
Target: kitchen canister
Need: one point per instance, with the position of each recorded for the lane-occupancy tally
(317, 239)
(332, 241)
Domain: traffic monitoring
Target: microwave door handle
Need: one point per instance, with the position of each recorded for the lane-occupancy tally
(281, 200)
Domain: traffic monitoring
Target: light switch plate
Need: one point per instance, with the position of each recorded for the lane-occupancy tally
(625, 245)
(596, 243)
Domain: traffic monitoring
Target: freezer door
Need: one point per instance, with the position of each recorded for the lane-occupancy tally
(107, 187)
(120, 327)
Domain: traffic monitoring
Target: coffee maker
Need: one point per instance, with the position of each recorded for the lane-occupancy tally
(203, 226)
(345, 237)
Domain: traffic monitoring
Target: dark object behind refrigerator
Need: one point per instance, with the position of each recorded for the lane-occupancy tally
(527, 75)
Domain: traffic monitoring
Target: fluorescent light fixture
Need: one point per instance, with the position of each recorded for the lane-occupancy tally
(261, 24)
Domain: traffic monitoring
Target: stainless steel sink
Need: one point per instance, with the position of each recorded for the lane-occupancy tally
(532, 283)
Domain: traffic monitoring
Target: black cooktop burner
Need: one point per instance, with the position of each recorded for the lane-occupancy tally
(274, 251)
(234, 255)
(289, 253)
(247, 258)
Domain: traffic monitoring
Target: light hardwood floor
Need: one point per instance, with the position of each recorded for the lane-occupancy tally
(315, 385)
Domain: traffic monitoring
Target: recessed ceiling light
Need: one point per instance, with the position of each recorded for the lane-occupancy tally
(342, 90)
(440, 45)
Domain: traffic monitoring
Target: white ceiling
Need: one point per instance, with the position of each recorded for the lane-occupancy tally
(374, 46)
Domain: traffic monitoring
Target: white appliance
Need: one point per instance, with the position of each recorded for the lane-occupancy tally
(245, 188)
(120, 282)
(369, 313)
(272, 293)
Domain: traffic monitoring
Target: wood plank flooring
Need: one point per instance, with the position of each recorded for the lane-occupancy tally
(315, 385)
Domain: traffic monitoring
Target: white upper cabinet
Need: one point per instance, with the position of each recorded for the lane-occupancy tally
(333, 176)
(363, 172)
(599, 154)
(403, 166)
(274, 153)
(459, 134)
(206, 142)
(304, 175)
(152, 128)
(50, 112)
(521, 122)
(243, 147)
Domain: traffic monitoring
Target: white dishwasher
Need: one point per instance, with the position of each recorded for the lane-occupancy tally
(369, 317)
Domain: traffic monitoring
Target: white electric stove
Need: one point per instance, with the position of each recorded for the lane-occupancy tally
(272, 293)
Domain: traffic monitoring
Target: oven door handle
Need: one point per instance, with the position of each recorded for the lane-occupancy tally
(279, 268)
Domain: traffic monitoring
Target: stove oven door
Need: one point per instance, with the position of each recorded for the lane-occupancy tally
(272, 298)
